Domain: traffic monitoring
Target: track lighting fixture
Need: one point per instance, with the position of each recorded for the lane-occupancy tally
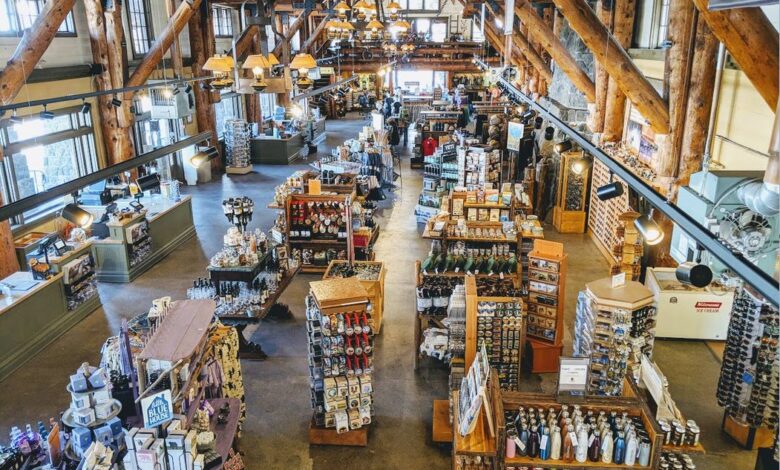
(649, 230)
(694, 274)
(610, 191)
(176, 90)
(188, 88)
(563, 146)
(85, 107)
(46, 114)
(116, 102)
(76, 215)
(203, 156)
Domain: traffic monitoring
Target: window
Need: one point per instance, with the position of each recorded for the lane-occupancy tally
(223, 22)
(140, 26)
(18, 15)
(663, 24)
(422, 26)
(267, 104)
(269, 32)
(152, 134)
(439, 31)
(43, 153)
(419, 5)
(230, 107)
(476, 31)
(295, 42)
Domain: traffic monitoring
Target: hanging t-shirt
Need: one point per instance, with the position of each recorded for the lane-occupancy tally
(429, 146)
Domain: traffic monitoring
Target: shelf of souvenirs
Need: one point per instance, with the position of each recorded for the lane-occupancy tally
(630, 159)
(470, 231)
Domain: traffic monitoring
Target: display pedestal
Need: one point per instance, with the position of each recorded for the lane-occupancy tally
(544, 356)
(238, 170)
(748, 437)
(569, 221)
(329, 437)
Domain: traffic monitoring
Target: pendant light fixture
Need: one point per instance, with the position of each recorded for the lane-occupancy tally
(220, 66)
(394, 8)
(77, 216)
(257, 64)
(373, 29)
(359, 10)
(649, 229)
(341, 10)
(303, 63)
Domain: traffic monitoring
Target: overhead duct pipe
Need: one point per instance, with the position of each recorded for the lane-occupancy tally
(763, 197)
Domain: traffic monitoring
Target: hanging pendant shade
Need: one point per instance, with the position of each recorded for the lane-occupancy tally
(342, 7)
(256, 61)
(219, 63)
(272, 59)
(303, 61)
(374, 25)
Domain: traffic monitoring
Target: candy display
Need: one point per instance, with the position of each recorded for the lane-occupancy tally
(500, 329)
(239, 211)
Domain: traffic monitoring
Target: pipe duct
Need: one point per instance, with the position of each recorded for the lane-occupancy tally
(763, 197)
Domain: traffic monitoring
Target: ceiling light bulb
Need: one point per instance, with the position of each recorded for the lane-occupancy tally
(578, 167)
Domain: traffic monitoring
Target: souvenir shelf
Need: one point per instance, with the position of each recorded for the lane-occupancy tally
(546, 293)
(614, 326)
(340, 344)
(530, 230)
(78, 276)
(237, 134)
(480, 167)
(478, 450)
(317, 244)
(482, 205)
(569, 212)
(371, 275)
(635, 409)
(629, 249)
(499, 323)
(604, 216)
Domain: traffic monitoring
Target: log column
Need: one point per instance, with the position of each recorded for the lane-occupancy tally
(617, 62)
(118, 68)
(623, 31)
(176, 58)
(8, 261)
(204, 112)
(539, 30)
(604, 9)
(702, 85)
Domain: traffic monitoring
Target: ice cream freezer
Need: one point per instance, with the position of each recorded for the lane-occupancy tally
(689, 312)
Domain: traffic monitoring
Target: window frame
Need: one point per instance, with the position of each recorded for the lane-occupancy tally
(223, 21)
(405, 6)
(18, 31)
(476, 26)
(81, 136)
(148, 26)
(237, 104)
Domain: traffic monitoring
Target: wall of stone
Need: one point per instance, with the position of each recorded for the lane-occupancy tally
(561, 90)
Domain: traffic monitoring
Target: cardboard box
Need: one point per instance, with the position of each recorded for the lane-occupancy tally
(78, 383)
(84, 416)
(129, 438)
(103, 410)
(101, 396)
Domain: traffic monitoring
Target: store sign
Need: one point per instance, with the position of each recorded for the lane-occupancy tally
(157, 409)
(514, 135)
(573, 375)
(708, 307)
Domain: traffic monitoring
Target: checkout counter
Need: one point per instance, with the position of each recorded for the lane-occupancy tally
(277, 149)
(137, 242)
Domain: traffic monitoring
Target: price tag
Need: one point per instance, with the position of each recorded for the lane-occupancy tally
(543, 444)
(501, 275)
(519, 444)
(618, 280)
(457, 269)
(591, 439)
(573, 438)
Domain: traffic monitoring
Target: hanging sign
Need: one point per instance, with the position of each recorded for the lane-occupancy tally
(514, 135)
(157, 409)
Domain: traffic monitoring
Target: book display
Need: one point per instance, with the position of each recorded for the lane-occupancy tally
(340, 343)
(569, 214)
(547, 266)
(615, 327)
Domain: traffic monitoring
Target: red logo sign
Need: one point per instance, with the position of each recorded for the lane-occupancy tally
(708, 305)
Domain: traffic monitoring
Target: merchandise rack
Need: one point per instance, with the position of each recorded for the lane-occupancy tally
(485, 440)
(604, 216)
(546, 270)
(472, 306)
(375, 288)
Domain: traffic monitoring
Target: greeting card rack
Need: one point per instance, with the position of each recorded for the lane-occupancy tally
(569, 212)
(546, 293)
(340, 345)
(316, 248)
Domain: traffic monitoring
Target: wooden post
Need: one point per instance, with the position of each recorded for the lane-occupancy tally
(117, 64)
(308, 45)
(702, 85)
(34, 43)
(538, 28)
(682, 29)
(617, 62)
(172, 29)
(176, 58)
(752, 41)
(604, 9)
(622, 30)
(204, 112)
(8, 262)
(294, 28)
(524, 46)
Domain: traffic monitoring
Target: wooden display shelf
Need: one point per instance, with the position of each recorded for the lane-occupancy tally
(571, 220)
(318, 242)
(313, 269)
(442, 429)
(747, 436)
(329, 437)
(539, 463)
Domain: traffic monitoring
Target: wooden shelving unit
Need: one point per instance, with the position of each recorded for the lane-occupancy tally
(546, 294)
(375, 288)
(569, 214)
(604, 216)
(629, 249)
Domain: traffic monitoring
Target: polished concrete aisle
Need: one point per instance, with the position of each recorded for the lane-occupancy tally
(277, 390)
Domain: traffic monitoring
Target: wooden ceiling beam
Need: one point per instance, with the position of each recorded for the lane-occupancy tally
(521, 42)
(752, 41)
(619, 65)
(294, 28)
(542, 33)
(34, 43)
(246, 40)
(310, 41)
(172, 29)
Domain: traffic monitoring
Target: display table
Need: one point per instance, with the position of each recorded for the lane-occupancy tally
(276, 151)
(168, 225)
(32, 316)
(78, 268)
(319, 131)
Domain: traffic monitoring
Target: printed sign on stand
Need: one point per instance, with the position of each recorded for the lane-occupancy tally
(157, 409)
(573, 375)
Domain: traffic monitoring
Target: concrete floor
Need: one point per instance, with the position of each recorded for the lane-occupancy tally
(275, 432)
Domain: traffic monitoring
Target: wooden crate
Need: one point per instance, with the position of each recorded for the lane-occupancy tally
(375, 289)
